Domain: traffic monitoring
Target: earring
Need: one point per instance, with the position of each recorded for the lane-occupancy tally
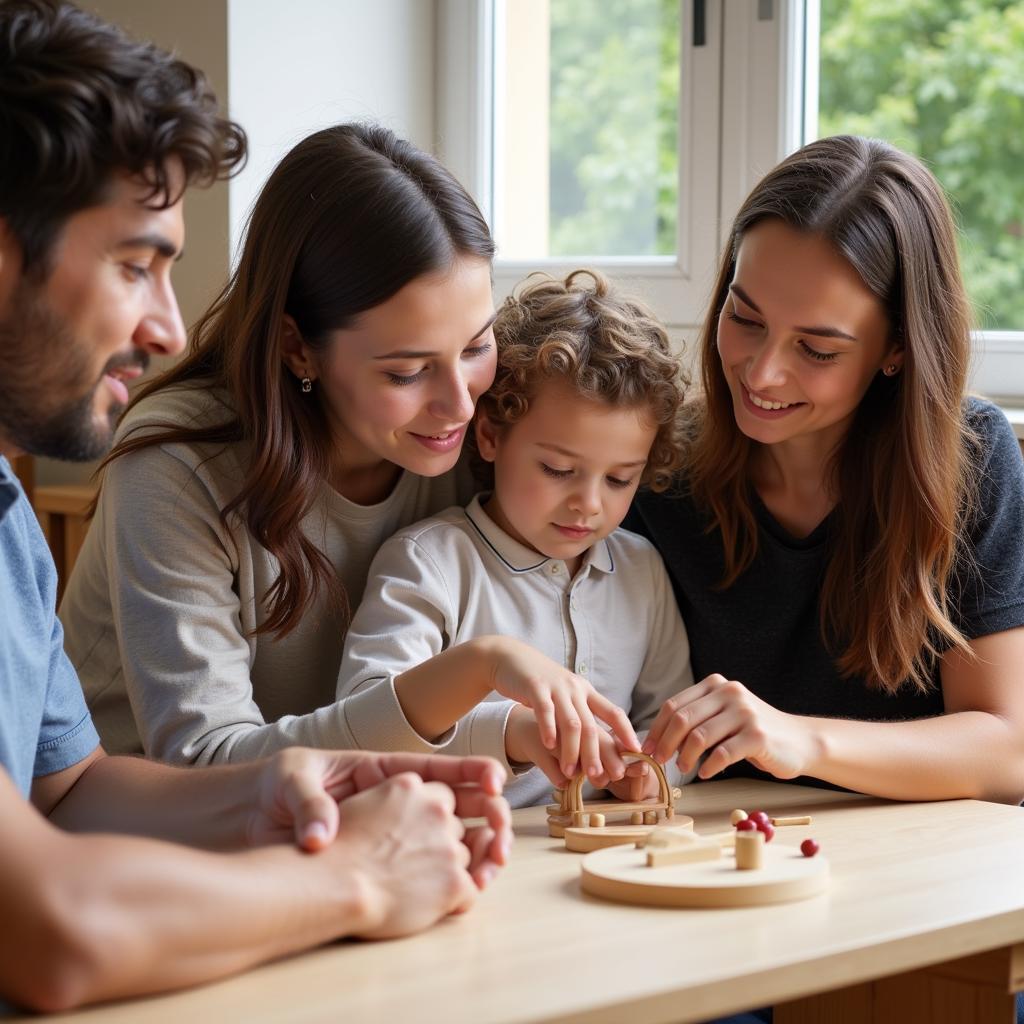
(890, 370)
(307, 385)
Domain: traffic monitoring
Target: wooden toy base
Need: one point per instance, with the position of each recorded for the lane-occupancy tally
(621, 874)
(583, 840)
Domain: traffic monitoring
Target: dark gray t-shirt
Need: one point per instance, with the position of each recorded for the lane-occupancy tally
(764, 630)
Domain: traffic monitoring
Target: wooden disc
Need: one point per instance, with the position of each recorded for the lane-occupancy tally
(621, 874)
(583, 840)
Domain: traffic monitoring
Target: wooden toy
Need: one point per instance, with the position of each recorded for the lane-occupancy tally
(737, 816)
(682, 851)
(584, 826)
(621, 874)
(750, 850)
(802, 819)
(809, 847)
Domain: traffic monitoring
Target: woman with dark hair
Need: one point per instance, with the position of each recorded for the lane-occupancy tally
(322, 406)
(847, 542)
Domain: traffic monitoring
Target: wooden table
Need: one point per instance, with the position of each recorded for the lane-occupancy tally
(924, 921)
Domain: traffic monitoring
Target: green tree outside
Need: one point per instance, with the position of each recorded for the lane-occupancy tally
(943, 79)
(614, 127)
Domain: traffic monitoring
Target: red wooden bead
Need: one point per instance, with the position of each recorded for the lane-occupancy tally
(746, 825)
(760, 818)
(768, 829)
(809, 847)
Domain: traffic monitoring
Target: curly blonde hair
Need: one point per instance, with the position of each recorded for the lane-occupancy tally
(606, 346)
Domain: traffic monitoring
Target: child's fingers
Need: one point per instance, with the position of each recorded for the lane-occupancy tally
(637, 770)
(590, 733)
(548, 764)
(615, 718)
(612, 764)
(569, 730)
(544, 712)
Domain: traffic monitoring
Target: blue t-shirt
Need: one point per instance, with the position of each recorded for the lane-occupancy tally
(44, 723)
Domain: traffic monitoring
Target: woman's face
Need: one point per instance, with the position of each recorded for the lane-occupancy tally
(800, 337)
(401, 384)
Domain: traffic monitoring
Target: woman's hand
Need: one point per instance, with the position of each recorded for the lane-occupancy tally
(565, 707)
(721, 718)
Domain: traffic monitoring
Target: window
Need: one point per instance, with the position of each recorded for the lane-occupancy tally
(589, 133)
(756, 78)
(942, 79)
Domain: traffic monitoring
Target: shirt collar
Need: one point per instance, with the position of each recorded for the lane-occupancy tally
(9, 489)
(518, 557)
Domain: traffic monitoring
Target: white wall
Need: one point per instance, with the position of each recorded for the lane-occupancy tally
(301, 65)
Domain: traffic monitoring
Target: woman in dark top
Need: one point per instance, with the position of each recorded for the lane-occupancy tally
(847, 543)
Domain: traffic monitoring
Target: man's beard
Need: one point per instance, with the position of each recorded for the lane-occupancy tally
(43, 368)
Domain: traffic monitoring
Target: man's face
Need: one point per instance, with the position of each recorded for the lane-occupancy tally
(70, 343)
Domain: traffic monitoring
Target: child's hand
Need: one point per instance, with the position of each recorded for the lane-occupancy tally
(564, 706)
(639, 783)
(523, 744)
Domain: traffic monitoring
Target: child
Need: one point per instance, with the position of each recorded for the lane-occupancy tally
(583, 410)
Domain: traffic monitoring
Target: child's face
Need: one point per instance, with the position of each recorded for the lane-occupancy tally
(565, 473)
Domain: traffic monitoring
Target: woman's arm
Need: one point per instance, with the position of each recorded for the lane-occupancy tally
(174, 575)
(975, 750)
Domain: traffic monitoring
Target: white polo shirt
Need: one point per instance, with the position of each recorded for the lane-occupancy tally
(458, 575)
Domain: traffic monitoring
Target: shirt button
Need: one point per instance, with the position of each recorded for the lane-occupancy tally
(581, 669)
(555, 569)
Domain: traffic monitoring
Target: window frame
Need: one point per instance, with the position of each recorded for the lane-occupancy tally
(676, 286)
(749, 97)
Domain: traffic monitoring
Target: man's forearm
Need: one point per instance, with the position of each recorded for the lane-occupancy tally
(207, 807)
(126, 916)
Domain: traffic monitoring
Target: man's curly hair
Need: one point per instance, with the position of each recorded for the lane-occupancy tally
(605, 346)
(81, 101)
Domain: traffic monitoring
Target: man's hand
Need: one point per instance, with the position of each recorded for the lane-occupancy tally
(404, 843)
(303, 794)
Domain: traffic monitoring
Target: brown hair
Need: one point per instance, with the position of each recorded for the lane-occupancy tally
(903, 471)
(606, 346)
(350, 216)
(80, 101)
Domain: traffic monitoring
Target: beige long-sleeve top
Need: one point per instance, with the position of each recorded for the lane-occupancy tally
(457, 576)
(160, 608)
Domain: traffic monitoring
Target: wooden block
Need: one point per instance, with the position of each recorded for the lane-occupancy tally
(682, 853)
(584, 840)
(664, 838)
(801, 819)
(749, 850)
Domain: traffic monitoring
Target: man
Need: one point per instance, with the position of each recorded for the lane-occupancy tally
(99, 138)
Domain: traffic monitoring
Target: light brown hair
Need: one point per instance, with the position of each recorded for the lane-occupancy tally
(606, 346)
(903, 472)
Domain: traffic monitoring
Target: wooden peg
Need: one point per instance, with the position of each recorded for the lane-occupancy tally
(801, 819)
(596, 820)
(682, 853)
(749, 850)
(650, 817)
(636, 818)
